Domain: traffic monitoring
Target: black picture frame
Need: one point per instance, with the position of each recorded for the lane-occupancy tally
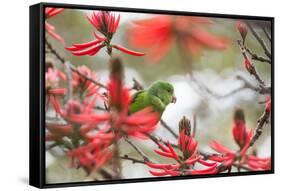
(37, 93)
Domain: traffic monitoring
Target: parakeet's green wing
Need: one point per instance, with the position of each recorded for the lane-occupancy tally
(140, 101)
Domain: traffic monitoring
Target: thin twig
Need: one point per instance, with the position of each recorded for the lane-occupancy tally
(69, 79)
(259, 129)
(194, 125)
(260, 40)
(116, 164)
(137, 149)
(134, 160)
(254, 56)
(261, 89)
(268, 36)
(252, 70)
(241, 167)
(222, 167)
(245, 85)
(168, 128)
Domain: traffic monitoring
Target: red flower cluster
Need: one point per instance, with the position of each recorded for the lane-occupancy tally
(50, 12)
(106, 23)
(88, 145)
(92, 132)
(158, 33)
(242, 135)
(186, 160)
(82, 85)
(95, 153)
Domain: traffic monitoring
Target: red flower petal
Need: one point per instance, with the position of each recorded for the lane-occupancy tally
(125, 50)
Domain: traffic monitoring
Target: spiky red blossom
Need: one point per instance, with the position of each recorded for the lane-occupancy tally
(89, 146)
(240, 132)
(242, 135)
(158, 33)
(185, 161)
(51, 12)
(95, 153)
(76, 114)
(106, 23)
(81, 84)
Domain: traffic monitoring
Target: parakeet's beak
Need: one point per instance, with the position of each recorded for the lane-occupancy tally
(174, 99)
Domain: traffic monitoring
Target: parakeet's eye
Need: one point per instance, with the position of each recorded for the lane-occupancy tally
(170, 90)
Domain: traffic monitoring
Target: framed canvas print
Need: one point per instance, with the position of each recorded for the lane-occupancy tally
(121, 95)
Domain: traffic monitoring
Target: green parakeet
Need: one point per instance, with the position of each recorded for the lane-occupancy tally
(158, 96)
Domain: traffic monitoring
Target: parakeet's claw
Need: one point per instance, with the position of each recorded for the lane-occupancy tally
(174, 99)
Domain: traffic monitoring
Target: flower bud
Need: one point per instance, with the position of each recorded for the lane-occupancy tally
(242, 29)
(239, 130)
(184, 125)
(249, 66)
(186, 142)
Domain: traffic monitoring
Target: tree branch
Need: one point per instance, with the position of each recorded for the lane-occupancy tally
(253, 70)
(69, 79)
(268, 36)
(254, 56)
(264, 119)
(137, 149)
(246, 85)
(134, 160)
(168, 128)
(260, 40)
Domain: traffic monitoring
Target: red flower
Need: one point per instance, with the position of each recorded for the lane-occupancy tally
(185, 161)
(52, 79)
(239, 130)
(158, 33)
(106, 23)
(50, 12)
(242, 29)
(256, 163)
(90, 48)
(243, 137)
(81, 85)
